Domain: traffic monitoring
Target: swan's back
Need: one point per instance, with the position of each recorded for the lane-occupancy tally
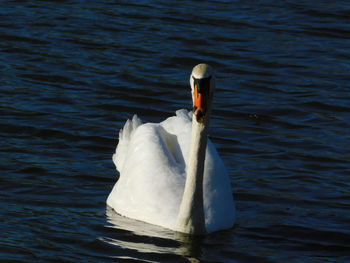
(151, 159)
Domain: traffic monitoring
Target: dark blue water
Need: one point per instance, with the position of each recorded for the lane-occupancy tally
(71, 72)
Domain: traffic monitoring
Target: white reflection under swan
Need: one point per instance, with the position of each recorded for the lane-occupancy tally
(152, 236)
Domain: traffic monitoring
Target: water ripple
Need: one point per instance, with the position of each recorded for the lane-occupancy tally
(72, 73)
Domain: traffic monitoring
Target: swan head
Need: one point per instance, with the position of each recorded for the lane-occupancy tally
(202, 82)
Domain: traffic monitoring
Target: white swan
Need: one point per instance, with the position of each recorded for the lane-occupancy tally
(167, 177)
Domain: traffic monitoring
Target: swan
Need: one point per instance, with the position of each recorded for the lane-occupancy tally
(170, 173)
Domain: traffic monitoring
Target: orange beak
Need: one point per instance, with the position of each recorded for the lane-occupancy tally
(200, 106)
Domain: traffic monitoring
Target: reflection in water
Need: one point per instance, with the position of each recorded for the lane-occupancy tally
(191, 247)
(146, 238)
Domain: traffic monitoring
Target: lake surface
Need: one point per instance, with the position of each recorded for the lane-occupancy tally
(72, 72)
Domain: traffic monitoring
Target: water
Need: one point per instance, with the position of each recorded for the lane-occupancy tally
(71, 72)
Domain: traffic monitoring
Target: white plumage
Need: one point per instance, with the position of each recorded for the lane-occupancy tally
(152, 159)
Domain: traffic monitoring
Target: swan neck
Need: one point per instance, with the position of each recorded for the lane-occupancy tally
(191, 214)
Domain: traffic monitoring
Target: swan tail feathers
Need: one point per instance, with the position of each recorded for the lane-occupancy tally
(125, 135)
